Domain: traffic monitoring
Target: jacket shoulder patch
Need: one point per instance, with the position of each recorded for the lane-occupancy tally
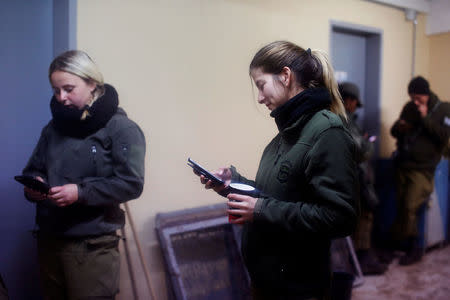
(284, 171)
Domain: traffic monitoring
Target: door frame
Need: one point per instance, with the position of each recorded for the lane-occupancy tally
(64, 25)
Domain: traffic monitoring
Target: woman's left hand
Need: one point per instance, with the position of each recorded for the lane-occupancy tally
(63, 195)
(241, 205)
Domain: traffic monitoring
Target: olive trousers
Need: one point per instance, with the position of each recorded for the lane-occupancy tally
(362, 237)
(81, 268)
(413, 188)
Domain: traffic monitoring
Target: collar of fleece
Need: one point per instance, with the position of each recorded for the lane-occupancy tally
(307, 102)
(67, 120)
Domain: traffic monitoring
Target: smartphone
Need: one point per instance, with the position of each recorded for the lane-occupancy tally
(199, 169)
(33, 183)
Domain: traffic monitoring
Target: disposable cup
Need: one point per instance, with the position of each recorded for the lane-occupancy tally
(241, 189)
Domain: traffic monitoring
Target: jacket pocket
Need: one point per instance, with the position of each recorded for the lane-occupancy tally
(102, 242)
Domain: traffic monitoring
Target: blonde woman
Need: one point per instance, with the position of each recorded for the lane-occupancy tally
(307, 176)
(92, 156)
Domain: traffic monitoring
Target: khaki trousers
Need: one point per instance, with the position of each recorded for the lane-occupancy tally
(75, 269)
(363, 233)
(413, 188)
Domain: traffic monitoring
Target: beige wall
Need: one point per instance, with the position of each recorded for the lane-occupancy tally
(440, 65)
(181, 69)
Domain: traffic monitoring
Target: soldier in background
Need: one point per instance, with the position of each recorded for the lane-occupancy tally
(362, 238)
(422, 132)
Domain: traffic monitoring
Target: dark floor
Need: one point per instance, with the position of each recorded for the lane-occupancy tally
(427, 279)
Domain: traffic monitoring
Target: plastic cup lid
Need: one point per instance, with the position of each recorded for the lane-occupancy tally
(241, 186)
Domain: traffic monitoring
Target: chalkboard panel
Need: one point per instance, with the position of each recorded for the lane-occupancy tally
(201, 253)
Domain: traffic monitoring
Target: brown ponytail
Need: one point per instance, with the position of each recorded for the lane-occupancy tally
(330, 83)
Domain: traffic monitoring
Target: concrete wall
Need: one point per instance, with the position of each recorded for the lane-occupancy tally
(181, 69)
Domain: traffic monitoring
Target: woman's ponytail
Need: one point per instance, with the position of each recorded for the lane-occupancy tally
(312, 69)
(330, 83)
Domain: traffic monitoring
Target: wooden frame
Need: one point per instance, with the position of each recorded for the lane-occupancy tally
(201, 254)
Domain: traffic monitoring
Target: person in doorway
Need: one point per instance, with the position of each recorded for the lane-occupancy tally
(92, 156)
(362, 238)
(422, 132)
(306, 176)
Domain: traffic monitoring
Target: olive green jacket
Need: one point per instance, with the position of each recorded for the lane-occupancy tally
(421, 144)
(107, 167)
(308, 178)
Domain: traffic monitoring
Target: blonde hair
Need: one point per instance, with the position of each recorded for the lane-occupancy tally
(311, 68)
(79, 63)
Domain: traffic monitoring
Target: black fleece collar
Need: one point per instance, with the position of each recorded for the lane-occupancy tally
(308, 102)
(68, 120)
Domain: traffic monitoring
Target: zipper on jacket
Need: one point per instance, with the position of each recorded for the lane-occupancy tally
(94, 154)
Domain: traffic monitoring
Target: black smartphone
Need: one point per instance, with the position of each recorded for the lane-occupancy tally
(199, 169)
(33, 183)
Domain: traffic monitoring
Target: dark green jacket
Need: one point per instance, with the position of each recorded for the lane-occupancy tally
(108, 168)
(421, 146)
(308, 176)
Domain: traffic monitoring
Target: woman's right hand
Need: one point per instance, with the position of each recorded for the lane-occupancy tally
(35, 195)
(222, 173)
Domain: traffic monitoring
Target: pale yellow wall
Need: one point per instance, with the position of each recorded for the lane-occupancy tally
(440, 65)
(181, 69)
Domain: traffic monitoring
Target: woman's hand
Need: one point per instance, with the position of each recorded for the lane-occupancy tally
(222, 173)
(242, 206)
(35, 195)
(64, 195)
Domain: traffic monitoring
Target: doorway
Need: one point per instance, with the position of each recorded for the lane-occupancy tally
(355, 52)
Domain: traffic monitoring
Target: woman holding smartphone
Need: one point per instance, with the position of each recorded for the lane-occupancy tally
(92, 156)
(307, 176)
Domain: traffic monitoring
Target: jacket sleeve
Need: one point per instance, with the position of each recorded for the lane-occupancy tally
(332, 210)
(364, 148)
(36, 165)
(436, 124)
(236, 177)
(395, 131)
(407, 110)
(127, 180)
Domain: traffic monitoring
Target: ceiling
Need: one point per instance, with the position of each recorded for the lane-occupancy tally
(438, 12)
